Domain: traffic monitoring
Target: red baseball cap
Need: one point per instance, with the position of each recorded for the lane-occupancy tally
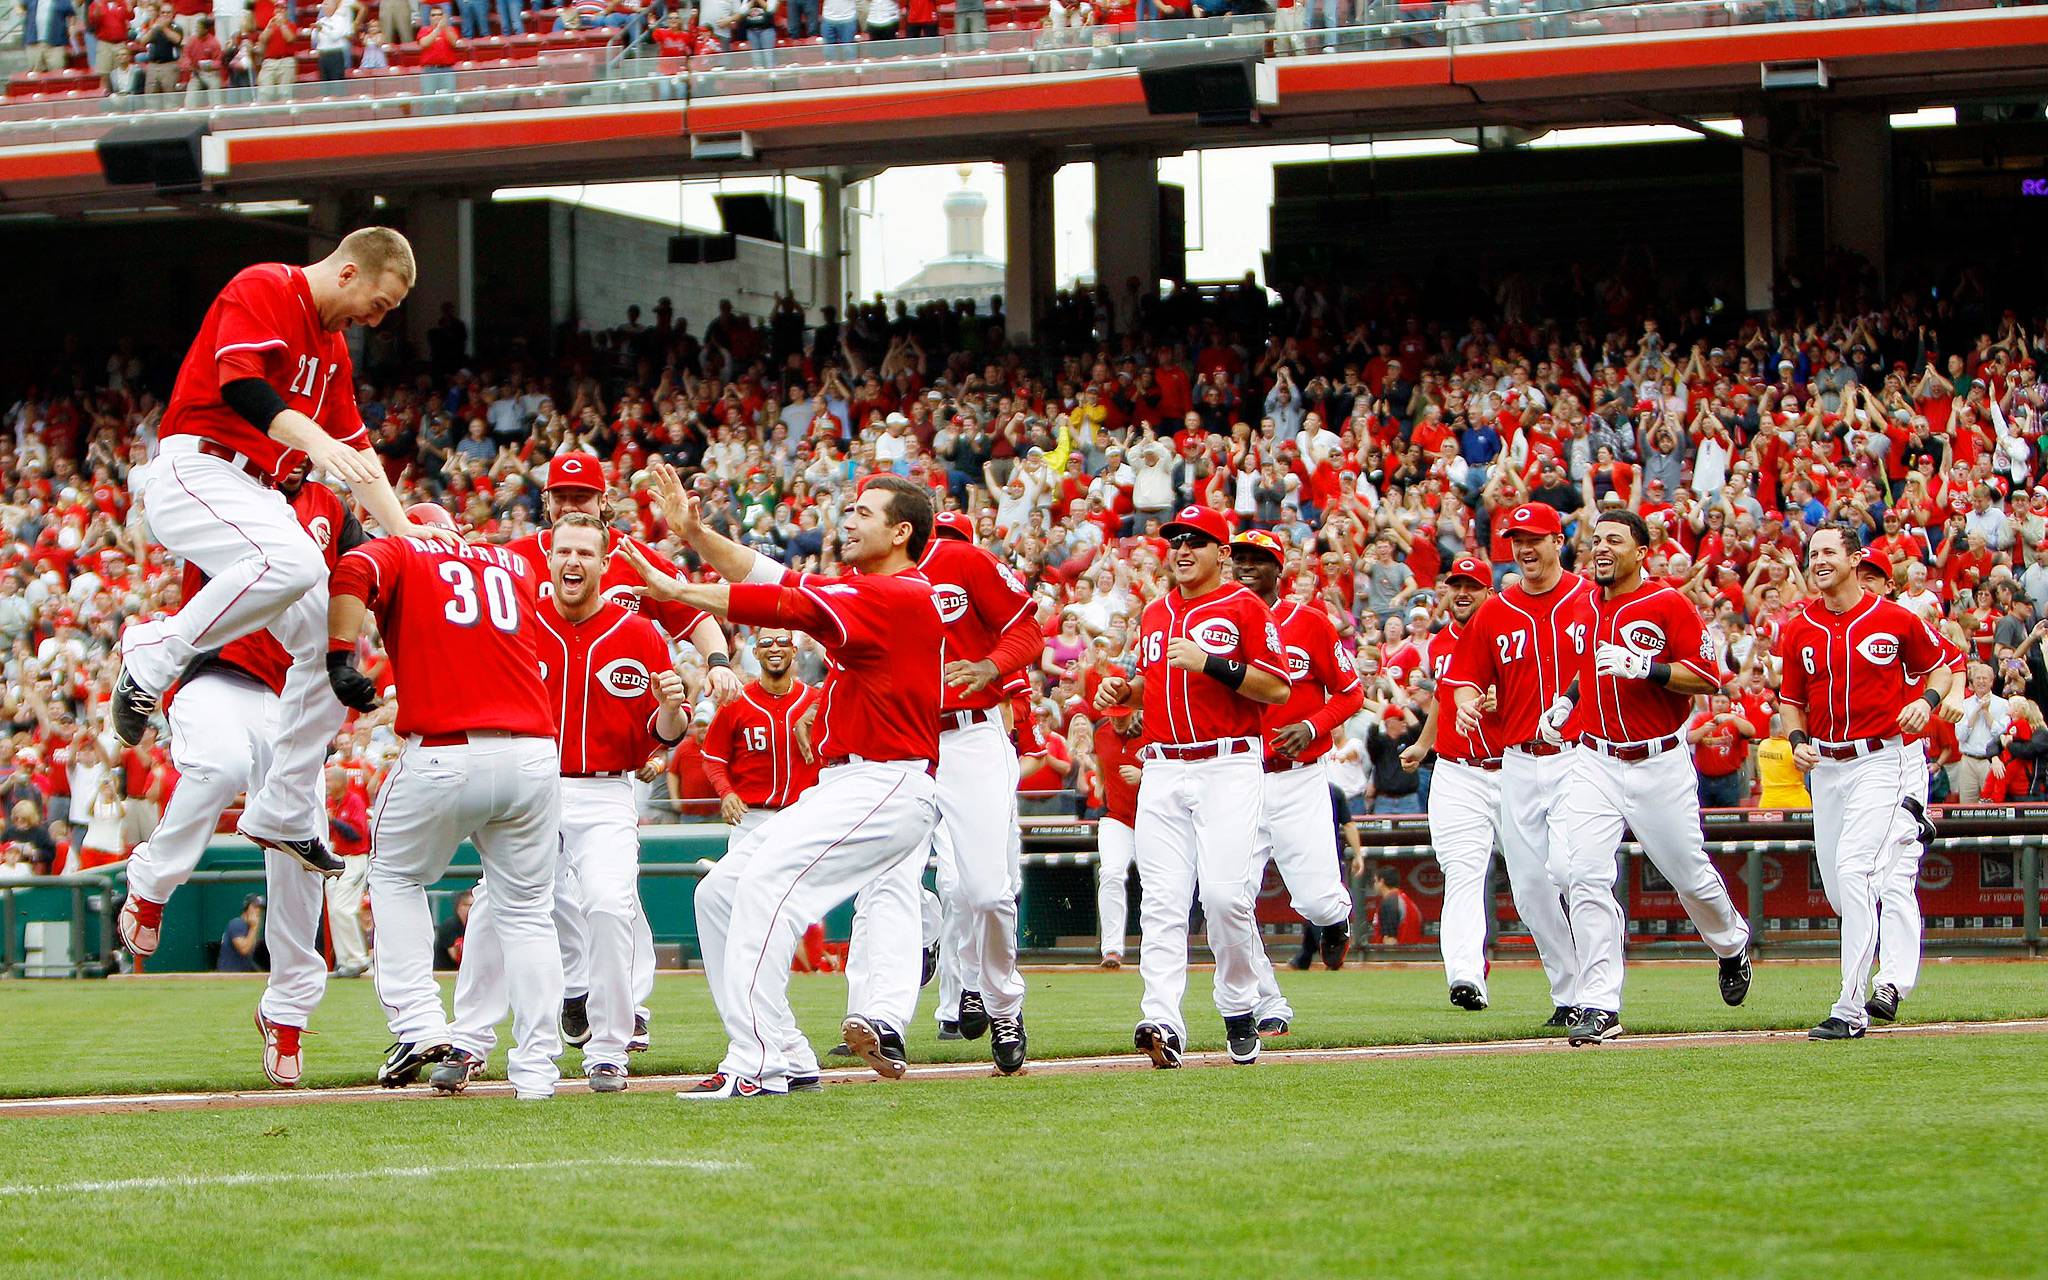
(1538, 518)
(576, 471)
(1875, 562)
(1258, 540)
(1471, 569)
(1200, 520)
(953, 524)
(1774, 517)
(431, 514)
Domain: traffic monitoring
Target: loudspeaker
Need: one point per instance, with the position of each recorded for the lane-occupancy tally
(1216, 92)
(688, 250)
(164, 153)
(760, 216)
(1173, 232)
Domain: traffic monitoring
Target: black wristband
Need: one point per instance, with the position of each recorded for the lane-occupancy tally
(1660, 673)
(1798, 738)
(718, 660)
(1224, 671)
(341, 658)
(255, 400)
(1933, 700)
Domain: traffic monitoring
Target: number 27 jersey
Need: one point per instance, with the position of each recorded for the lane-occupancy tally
(1527, 647)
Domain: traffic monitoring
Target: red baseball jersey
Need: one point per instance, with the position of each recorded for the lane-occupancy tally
(1657, 621)
(979, 598)
(1527, 647)
(619, 576)
(750, 747)
(1451, 742)
(1326, 690)
(600, 678)
(1850, 672)
(263, 325)
(460, 626)
(882, 637)
(1113, 749)
(1189, 706)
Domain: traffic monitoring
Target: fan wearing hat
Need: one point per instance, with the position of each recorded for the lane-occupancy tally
(1464, 795)
(1209, 664)
(1519, 645)
(1298, 825)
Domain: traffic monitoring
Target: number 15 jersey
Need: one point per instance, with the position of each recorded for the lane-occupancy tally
(1527, 647)
(460, 625)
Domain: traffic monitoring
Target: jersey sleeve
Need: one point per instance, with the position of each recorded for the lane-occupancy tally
(370, 572)
(1792, 684)
(249, 340)
(1472, 658)
(804, 602)
(998, 594)
(1687, 644)
(1923, 650)
(343, 418)
(718, 748)
(1258, 642)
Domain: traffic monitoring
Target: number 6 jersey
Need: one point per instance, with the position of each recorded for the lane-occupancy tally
(1528, 648)
(1188, 706)
(460, 626)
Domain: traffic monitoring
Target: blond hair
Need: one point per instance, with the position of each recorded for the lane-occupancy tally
(377, 250)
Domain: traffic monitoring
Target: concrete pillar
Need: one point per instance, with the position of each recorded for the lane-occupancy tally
(1126, 228)
(833, 265)
(330, 215)
(1028, 239)
(441, 228)
(1859, 187)
(1759, 217)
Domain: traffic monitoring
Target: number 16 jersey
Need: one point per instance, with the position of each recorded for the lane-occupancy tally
(1527, 647)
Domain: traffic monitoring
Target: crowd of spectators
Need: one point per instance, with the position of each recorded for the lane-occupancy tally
(1376, 439)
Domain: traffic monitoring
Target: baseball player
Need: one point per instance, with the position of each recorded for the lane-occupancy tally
(266, 384)
(1849, 660)
(1298, 826)
(616, 699)
(1464, 796)
(1898, 897)
(459, 624)
(1209, 663)
(222, 714)
(1634, 690)
(1521, 643)
(576, 485)
(1118, 735)
(875, 803)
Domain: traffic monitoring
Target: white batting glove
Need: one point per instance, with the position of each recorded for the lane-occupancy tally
(1550, 725)
(1621, 662)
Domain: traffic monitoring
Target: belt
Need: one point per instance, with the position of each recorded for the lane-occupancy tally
(462, 738)
(214, 449)
(1974, 756)
(950, 720)
(1490, 764)
(1539, 748)
(612, 773)
(1282, 764)
(931, 767)
(1215, 750)
(1632, 751)
(1850, 750)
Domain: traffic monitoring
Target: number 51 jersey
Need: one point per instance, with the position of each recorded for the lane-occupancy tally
(459, 624)
(1528, 648)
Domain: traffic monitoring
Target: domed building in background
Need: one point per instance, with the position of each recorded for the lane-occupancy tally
(966, 271)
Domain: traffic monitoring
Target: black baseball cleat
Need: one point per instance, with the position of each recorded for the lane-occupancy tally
(876, 1044)
(1273, 1028)
(1735, 976)
(132, 708)
(1301, 960)
(641, 1041)
(606, 1078)
(1467, 995)
(1336, 944)
(1161, 1044)
(950, 1030)
(453, 1073)
(931, 965)
(973, 1015)
(1883, 1005)
(1242, 1034)
(1595, 1026)
(402, 1062)
(311, 854)
(1835, 1029)
(806, 1084)
(1562, 1016)
(576, 1020)
(1006, 1044)
(840, 1051)
(1919, 811)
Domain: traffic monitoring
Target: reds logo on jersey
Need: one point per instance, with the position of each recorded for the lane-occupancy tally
(951, 600)
(1220, 637)
(1881, 650)
(322, 530)
(1643, 637)
(1297, 663)
(624, 678)
(623, 597)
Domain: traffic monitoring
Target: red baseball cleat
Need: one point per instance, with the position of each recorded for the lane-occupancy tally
(281, 1058)
(140, 925)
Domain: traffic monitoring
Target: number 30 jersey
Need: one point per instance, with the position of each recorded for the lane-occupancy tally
(460, 626)
(1527, 647)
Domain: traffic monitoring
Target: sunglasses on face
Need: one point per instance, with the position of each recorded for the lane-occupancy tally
(1197, 540)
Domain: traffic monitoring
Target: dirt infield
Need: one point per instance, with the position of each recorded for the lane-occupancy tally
(111, 1104)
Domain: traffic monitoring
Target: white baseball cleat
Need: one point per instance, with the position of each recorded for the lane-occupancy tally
(725, 1088)
(140, 925)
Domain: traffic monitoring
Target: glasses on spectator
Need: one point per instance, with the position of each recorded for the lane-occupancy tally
(1185, 539)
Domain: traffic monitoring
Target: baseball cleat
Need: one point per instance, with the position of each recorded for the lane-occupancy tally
(1006, 1044)
(1243, 1037)
(1919, 811)
(1336, 944)
(973, 1015)
(1883, 1005)
(1595, 1026)
(132, 708)
(723, 1087)
(1835, 1029)
(1161, 1044)
(1111, 960)
(1735, 976)
(1301, 960)
(576, 1020)
(931, 965)
(403, 1061)
(1562, 1016)
(453, 1073)
(875, 1044)
(641, 1040)
(606, 1078)
(841, 1051)
(1273, 1028)
(141, 924)
(1467, 995)
(350, 971)
(282, 1061)
(310, 853)
(948, 1030)
(806, 1084)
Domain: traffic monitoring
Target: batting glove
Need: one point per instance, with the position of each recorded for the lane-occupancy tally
(1621, 662)
(1550, 726)
(351, 686)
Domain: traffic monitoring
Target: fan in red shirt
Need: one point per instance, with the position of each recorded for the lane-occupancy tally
(1118, 735)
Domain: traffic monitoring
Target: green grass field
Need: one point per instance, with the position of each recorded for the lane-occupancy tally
(1909, 1155)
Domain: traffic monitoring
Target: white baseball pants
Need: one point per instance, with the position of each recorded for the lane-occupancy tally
(263, 571)
(1464, 821)
(1114, 844)
(1853, 835)
(345, 913)
(860, 821)
(1197, 820)
(1297, 829)
(1898, 887)
(502, 793)
(977, 795)
(1658, 800)
(1533, 842)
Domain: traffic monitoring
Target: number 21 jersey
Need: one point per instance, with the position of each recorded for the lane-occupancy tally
(1527, 647)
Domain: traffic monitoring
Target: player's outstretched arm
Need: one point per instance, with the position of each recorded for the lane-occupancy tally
(727, 558)
(713, 598)
(352, 688)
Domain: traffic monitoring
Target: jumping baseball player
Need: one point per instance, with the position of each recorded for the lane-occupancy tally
(266, 384)
(1849, 661)
(222, 715)
(1209, 664)
(1464, 796)
(479, 763)
(1522, 643)
(1118, 736)
(1634, 690)
(616, 698)
(1298, 827)
(875, 803)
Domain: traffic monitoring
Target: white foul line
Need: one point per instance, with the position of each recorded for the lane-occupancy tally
(351, 1175)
